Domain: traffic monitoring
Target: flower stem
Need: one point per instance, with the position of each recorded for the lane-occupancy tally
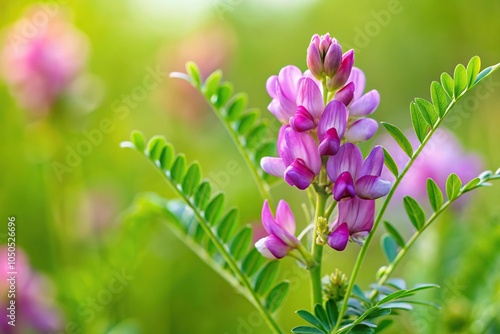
(317, 251)
(381, 213)
(407, 247)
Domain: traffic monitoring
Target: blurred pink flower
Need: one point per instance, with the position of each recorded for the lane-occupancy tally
(33, 298)
(442, 156)
(40, 67)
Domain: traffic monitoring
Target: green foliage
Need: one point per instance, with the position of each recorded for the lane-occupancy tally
(394, 234)
(435, 194)
(204, 224)
(277, 296)
(390, 247)
(323, 320)
(390, 163)
(249, 132)
(453, 185)
(400, 138)
(426, 116)
(415, 212)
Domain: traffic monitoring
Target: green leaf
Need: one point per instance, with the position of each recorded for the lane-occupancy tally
(247, 121)
(155, 147)
(307, 330)
(192, 179)
(400, 138)
(240, 242)
(357, 292)
(427, 110)
(453, 185)
(320, 313)
(418, 121)
(390, 247)
(394, 234)
(473, 68)
(472, 184)
(266, 277)
(397, 283)
(390, 163)
(424, 286)
(398, 306)
(178, 169)
(447, 83)
(277, 296)
(435, 194)
(332, 312)
(252, 262)
(214, 209)
(310, 318)
(199, 233)
(137, 138)
(235, 107)
(228, 225)
(415, 212)
(439, 98)
(202, 195)
(385, 323)
(256, 134)
(361, 329)
(460, 78)
(194, 72)
(167, 156)
(211, 85)
(223, 95)
(378, 313)
(392, 296)
(485, 73)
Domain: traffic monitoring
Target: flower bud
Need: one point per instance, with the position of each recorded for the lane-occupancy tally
(334, 286)
(340, 78)
(314, 62)
(333, 59)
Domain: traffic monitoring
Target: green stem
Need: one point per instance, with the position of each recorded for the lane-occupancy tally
(317, 251)
(381, 213)
(224, 251)
(262, 186)
(390, 269)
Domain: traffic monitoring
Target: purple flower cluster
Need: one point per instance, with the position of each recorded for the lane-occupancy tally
(323, 112)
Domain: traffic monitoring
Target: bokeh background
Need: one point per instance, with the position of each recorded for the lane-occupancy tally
(98, 275)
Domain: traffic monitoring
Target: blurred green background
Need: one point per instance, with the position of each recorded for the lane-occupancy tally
(74, 227)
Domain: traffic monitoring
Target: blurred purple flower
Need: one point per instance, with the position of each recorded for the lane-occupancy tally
(41, 68)
(355, 219)
(281, 239)
(352, 177)
(442, 156)
(35, 310)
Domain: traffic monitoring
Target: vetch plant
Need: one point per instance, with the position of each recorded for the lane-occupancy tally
(325, 112)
